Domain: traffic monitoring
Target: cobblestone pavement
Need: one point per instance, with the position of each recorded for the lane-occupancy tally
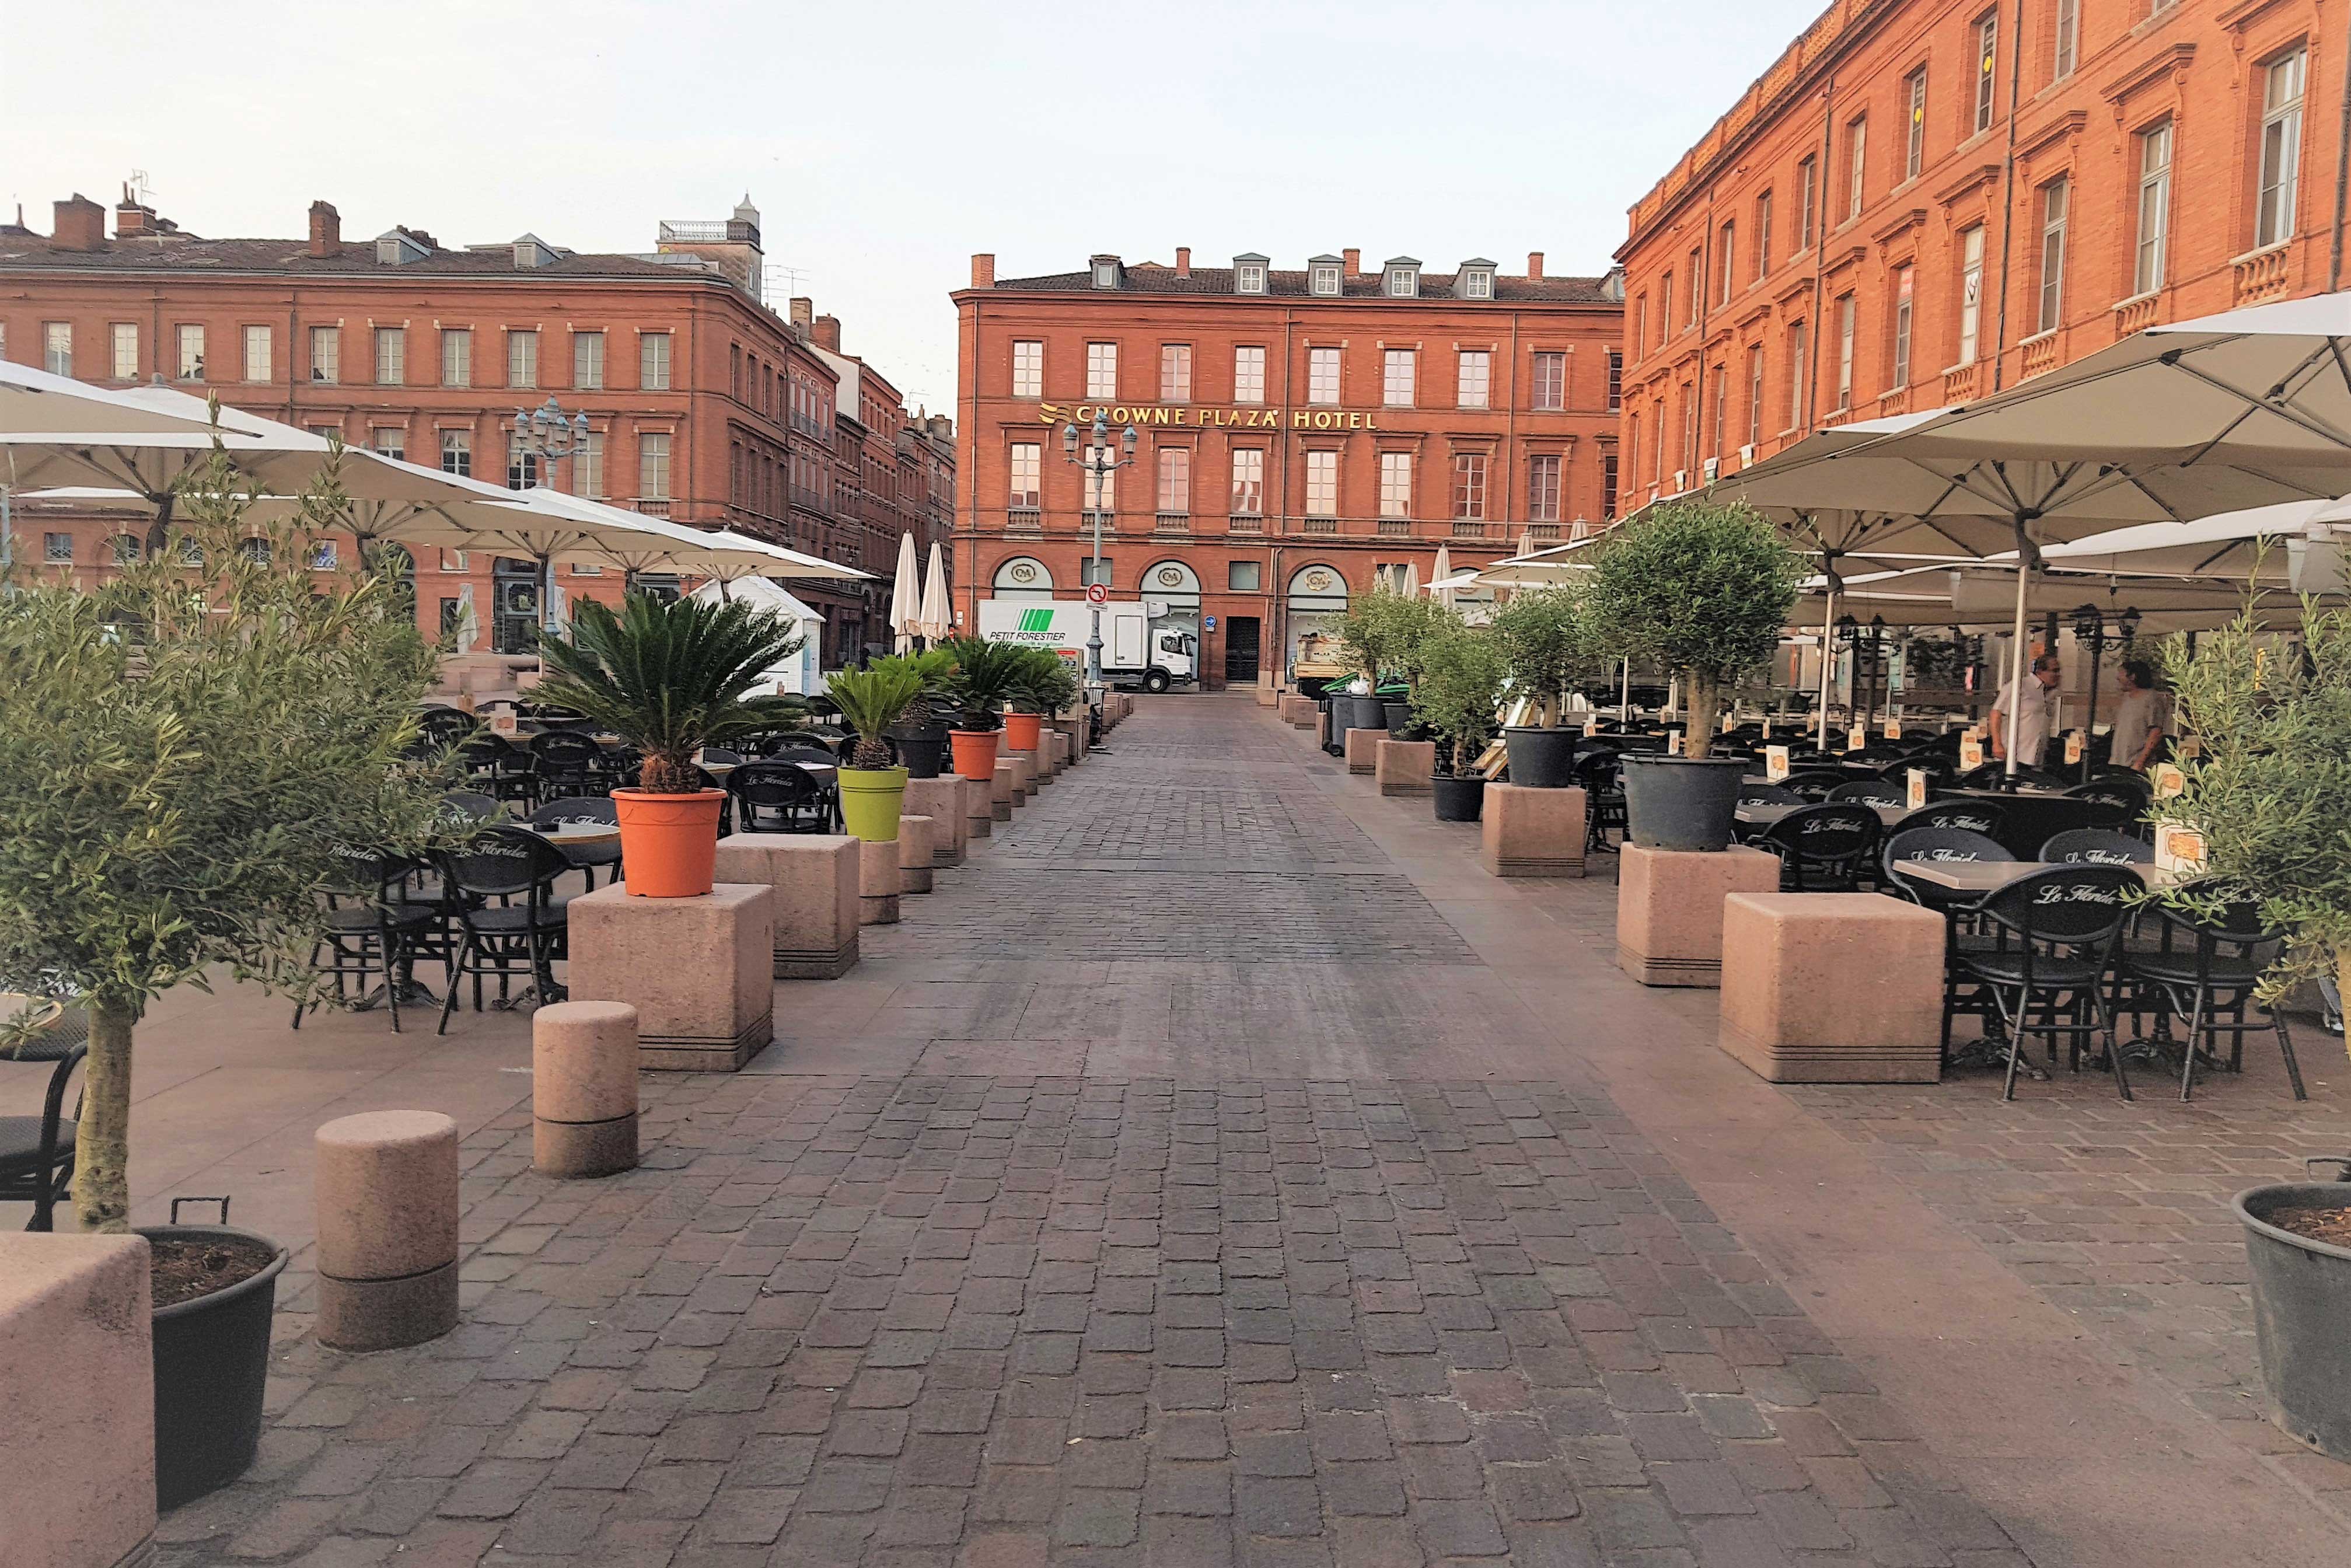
(1266, 1231)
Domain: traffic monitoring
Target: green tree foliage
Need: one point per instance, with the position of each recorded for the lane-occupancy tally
(1703, 589)
(871, 700)
(1460, 687)
(1545, 638)
(2271, 791)
(189, 754)
(1383, 631)
(670, 677)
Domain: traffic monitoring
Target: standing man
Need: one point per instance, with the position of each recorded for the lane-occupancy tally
(2030, 706)
(2142, 717)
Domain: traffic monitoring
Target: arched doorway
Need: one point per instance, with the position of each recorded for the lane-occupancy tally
(1316, 598)
(1024, 580)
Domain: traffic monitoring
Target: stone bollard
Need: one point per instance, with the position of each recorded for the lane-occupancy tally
(699, 971)
(1527, 832)
(814, 879)
(583, 1089)
(1003, 795)
(1041, 762)
(979, 808)
(1267, 697)
(1057, 748)
(387, 1193)
(940, 799)
(914, 836)
(877, 882)
(78, 1385)
(1024, 777)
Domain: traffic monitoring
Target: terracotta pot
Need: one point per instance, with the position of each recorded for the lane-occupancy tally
(1021, 730)
(669, 844)
(974, 753)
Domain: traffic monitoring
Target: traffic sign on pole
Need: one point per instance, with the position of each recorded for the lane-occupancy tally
(1097, 593)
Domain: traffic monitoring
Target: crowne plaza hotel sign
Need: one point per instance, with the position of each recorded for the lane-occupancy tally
(1191, 417)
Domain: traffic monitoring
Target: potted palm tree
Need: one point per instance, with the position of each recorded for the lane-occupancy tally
(1546, 643)
(1036, 679)
(669, 678)
(921, 731)
(185, 751)
(984, 676)
(873, 789)
(1705, 590)
(1461, 675)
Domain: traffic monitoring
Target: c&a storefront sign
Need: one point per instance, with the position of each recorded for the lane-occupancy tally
(1143, 415)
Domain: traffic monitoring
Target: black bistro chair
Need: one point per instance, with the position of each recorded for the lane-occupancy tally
(778, 797)
(510, 920)
(442, 727)
(569, 764)
(470, 804)
(1827, 848)
(1934, 844)
(1870, 792)
(370, 929)
(1814, 784)
(2055, 934)
(1769, 795)
(1601, 776)
(36, 1153)
(597, 809)
(2205, 971)
(1984, 817)
(2096, 846)
(497, 767)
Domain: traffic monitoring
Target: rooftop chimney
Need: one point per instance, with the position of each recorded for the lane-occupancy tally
(79, 224)
(983, 269)
(1534, 264)
(1182, 261)
(1355, 260)
(803, 310)
(133, 217)
(326, 230)
(826, 330)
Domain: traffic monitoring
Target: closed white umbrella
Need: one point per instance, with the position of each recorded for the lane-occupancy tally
(1439, 569)
(1410, 583)
(907, 594)
(938, 613)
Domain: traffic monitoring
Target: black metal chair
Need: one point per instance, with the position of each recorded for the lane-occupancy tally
(2096, 846)
(720, 754)
(442, 727)
(1934, 844)
(1940, 771)
(569, 764)
(1994, 776)
(1827, 848)
(36, 1153)
(2206, 973)
(1814, 784)
(497, 934)
(2057, 933)
(597, 809)
(1985, 817)
(2129, 791)
(501, 769)
(471, 804)
(779, 798)
(370, 930)
(1869, 792)
(1601, 775)
(1769, 795)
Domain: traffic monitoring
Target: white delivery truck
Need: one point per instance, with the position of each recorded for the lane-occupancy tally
(1138, 649)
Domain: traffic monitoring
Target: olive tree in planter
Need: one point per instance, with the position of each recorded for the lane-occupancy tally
(2269, 793)
(1460, 684)
(190, 754)
(1704, 589)
(1546, 643)
(1367, 644)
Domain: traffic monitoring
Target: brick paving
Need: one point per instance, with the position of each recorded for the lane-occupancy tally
(1010, 1316)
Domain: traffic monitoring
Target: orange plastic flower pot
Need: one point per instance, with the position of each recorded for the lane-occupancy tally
(669, 844)
(1021, 730)
(974, 753)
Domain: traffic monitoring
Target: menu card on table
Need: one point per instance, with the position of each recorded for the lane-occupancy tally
(2179, 849)
(1916, 796)
(1971, 752)
(1857, 738)
(1673, 743)
(1775, 763)
(2169, 780)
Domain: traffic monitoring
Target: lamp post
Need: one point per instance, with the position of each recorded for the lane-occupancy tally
(2090, 632)
(543, 436)
(1094, 457)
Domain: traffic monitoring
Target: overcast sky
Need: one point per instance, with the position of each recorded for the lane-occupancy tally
(884, 144)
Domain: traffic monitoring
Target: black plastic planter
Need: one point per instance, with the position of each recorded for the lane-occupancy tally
(211, 1362)
(923, 747)
(1458, 800)
(1682, 802)
(1542, 758)
(1398, 711)
(1365, 713)
(2302, 1297)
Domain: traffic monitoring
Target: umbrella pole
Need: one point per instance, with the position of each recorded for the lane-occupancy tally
(2017, 662)
(1828, 657)
(1625, 695)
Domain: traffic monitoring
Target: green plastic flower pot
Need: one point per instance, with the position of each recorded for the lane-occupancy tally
(869, 799)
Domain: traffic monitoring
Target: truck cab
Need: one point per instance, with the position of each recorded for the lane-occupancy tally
(1175, 661)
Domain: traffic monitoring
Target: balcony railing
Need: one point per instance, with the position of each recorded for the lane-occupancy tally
(652, 505)
(1318, 525)
(1246, 523)
(1469, 528)
(2260, 274)
(1024, 520)
(2134, 315)
(2039, 355)
(1171, 523)
(1543, 533)
(1395, 527)
(1958, 384)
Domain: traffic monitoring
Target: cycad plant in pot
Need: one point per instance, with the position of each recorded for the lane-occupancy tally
(1546, 643)
(1461, 675)
(873, 790)
(669, 678)
(1705, 590)
(921, 731)
(984, 676)
(1035, 682)
(2269, 793)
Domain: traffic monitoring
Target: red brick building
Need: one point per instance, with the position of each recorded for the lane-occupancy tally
(705, 405)
(1923, 201)
(1297, 430)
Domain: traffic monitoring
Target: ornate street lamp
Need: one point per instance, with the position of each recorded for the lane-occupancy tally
(1093, 454)
(539, 438)
(2090, 632)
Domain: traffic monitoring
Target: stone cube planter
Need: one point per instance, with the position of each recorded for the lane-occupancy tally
(1402, 767)
(1832, 988)
(699, 971)
(941, 799)
(1670, 909)
(1532, 832)
(814, 876)
(1363, 749)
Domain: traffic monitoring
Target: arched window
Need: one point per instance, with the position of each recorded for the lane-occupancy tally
(1022, 579)
(1175, 584)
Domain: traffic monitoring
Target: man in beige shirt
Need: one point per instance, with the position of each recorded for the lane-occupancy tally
(2030, 705)
(2142, 717)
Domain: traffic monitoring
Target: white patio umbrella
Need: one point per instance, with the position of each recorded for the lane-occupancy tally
(937, 620)
(1439, 571)
(33, 403)
(905, 594)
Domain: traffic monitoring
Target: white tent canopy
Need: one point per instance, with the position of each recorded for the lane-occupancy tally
(798, 673)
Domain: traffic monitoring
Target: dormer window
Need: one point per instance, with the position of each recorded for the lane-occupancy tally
(398, 247)
(1106, 271)
(1249, 274)
(1323, 275)
(1402, 278)
(1477, 280)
